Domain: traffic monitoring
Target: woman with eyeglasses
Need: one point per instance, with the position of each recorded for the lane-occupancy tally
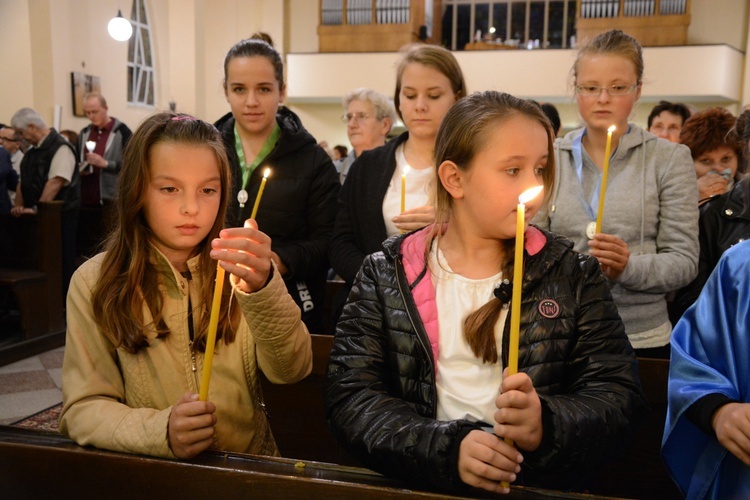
(369, 117)
(428, 82)
(648, 244)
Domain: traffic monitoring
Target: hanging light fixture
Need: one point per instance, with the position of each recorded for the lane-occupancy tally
(120, 28)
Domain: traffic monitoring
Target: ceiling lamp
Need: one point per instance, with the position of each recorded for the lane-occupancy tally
(120, 28)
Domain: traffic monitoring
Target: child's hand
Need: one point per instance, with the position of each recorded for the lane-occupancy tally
(246, 253)
(484, 461)
(612, 253)
(415, 218)
(519, 414)
(191, 426)
(732, 425)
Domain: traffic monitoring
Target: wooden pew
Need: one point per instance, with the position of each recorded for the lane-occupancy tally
(297, 413)
(641, 473)
(31, 269)
(36, 464)
(297, 417)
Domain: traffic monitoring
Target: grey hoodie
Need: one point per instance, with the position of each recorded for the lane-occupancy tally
(651, 203)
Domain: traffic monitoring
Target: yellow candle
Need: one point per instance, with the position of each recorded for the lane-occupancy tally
(515, 302)
(213, 324)
(403, 188)
(607, 150)
(260, 193)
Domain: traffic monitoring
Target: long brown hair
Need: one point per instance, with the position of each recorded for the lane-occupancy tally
(128, 279)
(464, 132)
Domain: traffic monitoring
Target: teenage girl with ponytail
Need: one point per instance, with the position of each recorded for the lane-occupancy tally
(417, 380)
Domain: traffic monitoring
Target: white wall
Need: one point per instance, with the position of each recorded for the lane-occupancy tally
(719, 21)
(45, 40)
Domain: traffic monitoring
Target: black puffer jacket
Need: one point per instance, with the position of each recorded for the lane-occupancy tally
(381, 396)
(724, 222)
(297, 211)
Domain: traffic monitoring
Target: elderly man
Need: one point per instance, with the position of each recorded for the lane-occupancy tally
(11, 141)
(48, 172)
(369, 117)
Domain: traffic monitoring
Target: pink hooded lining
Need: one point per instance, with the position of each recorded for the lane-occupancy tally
(413, 251)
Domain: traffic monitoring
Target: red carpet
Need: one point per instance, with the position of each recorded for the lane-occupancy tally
(45, 420)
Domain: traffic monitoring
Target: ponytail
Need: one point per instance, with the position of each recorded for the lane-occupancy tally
(479, 326)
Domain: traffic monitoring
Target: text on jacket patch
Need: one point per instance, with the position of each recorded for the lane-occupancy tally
(304, 295)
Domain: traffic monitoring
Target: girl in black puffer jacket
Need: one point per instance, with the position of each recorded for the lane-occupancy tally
(416, 381)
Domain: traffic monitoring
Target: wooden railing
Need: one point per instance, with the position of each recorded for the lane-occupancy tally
(651, 22)
(376, 25)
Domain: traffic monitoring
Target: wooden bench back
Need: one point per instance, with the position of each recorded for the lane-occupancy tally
(297, 416)
(30, 245)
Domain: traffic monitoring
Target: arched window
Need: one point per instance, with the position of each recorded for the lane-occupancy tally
(141, 73)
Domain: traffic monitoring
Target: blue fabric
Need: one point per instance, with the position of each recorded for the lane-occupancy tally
(710, 354)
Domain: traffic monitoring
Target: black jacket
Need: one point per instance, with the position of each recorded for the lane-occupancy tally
(381, 395)
(35, 168)
(360, 228)
(297, 209)
(724, 222)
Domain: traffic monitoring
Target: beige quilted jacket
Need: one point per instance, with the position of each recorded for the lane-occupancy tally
(121, 401)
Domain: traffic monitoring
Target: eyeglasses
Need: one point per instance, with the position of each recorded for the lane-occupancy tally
(612, 90)
(357, 117)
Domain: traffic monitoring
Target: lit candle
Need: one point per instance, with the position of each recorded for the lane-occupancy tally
(403, 188)
(90, 145)
(515, 302)
(213, 324)
(260, 193)
(607, 150)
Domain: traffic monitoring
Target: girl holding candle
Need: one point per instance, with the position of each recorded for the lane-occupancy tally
(418, 386)
(428, 82)
(648, 244)
(137, 315)
(299, 202)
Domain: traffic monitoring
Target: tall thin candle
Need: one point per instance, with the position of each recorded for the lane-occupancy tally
(403, 188)
(213, 323)
(605, 169)
(515, 302)
(260, 193)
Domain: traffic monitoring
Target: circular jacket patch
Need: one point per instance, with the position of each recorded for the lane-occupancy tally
(549, 308)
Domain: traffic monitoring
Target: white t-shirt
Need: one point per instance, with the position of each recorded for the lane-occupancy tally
(466, 386)
(63, 163)
(418, 185)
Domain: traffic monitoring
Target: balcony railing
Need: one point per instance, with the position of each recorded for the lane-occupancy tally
(651, 22)
(373, 25)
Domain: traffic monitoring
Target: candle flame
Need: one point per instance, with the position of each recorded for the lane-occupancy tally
(405, 170)
(266, 173)
(611, 129)
(530, 194)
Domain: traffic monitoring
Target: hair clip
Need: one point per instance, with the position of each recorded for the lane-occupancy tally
(181, 118)
(504, 291)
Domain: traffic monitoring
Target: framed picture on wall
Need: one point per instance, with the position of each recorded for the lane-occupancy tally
(82, 84)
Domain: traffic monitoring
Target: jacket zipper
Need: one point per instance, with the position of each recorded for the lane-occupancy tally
(421, 335)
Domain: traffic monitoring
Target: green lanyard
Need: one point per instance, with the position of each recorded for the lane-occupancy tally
(267, 147)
